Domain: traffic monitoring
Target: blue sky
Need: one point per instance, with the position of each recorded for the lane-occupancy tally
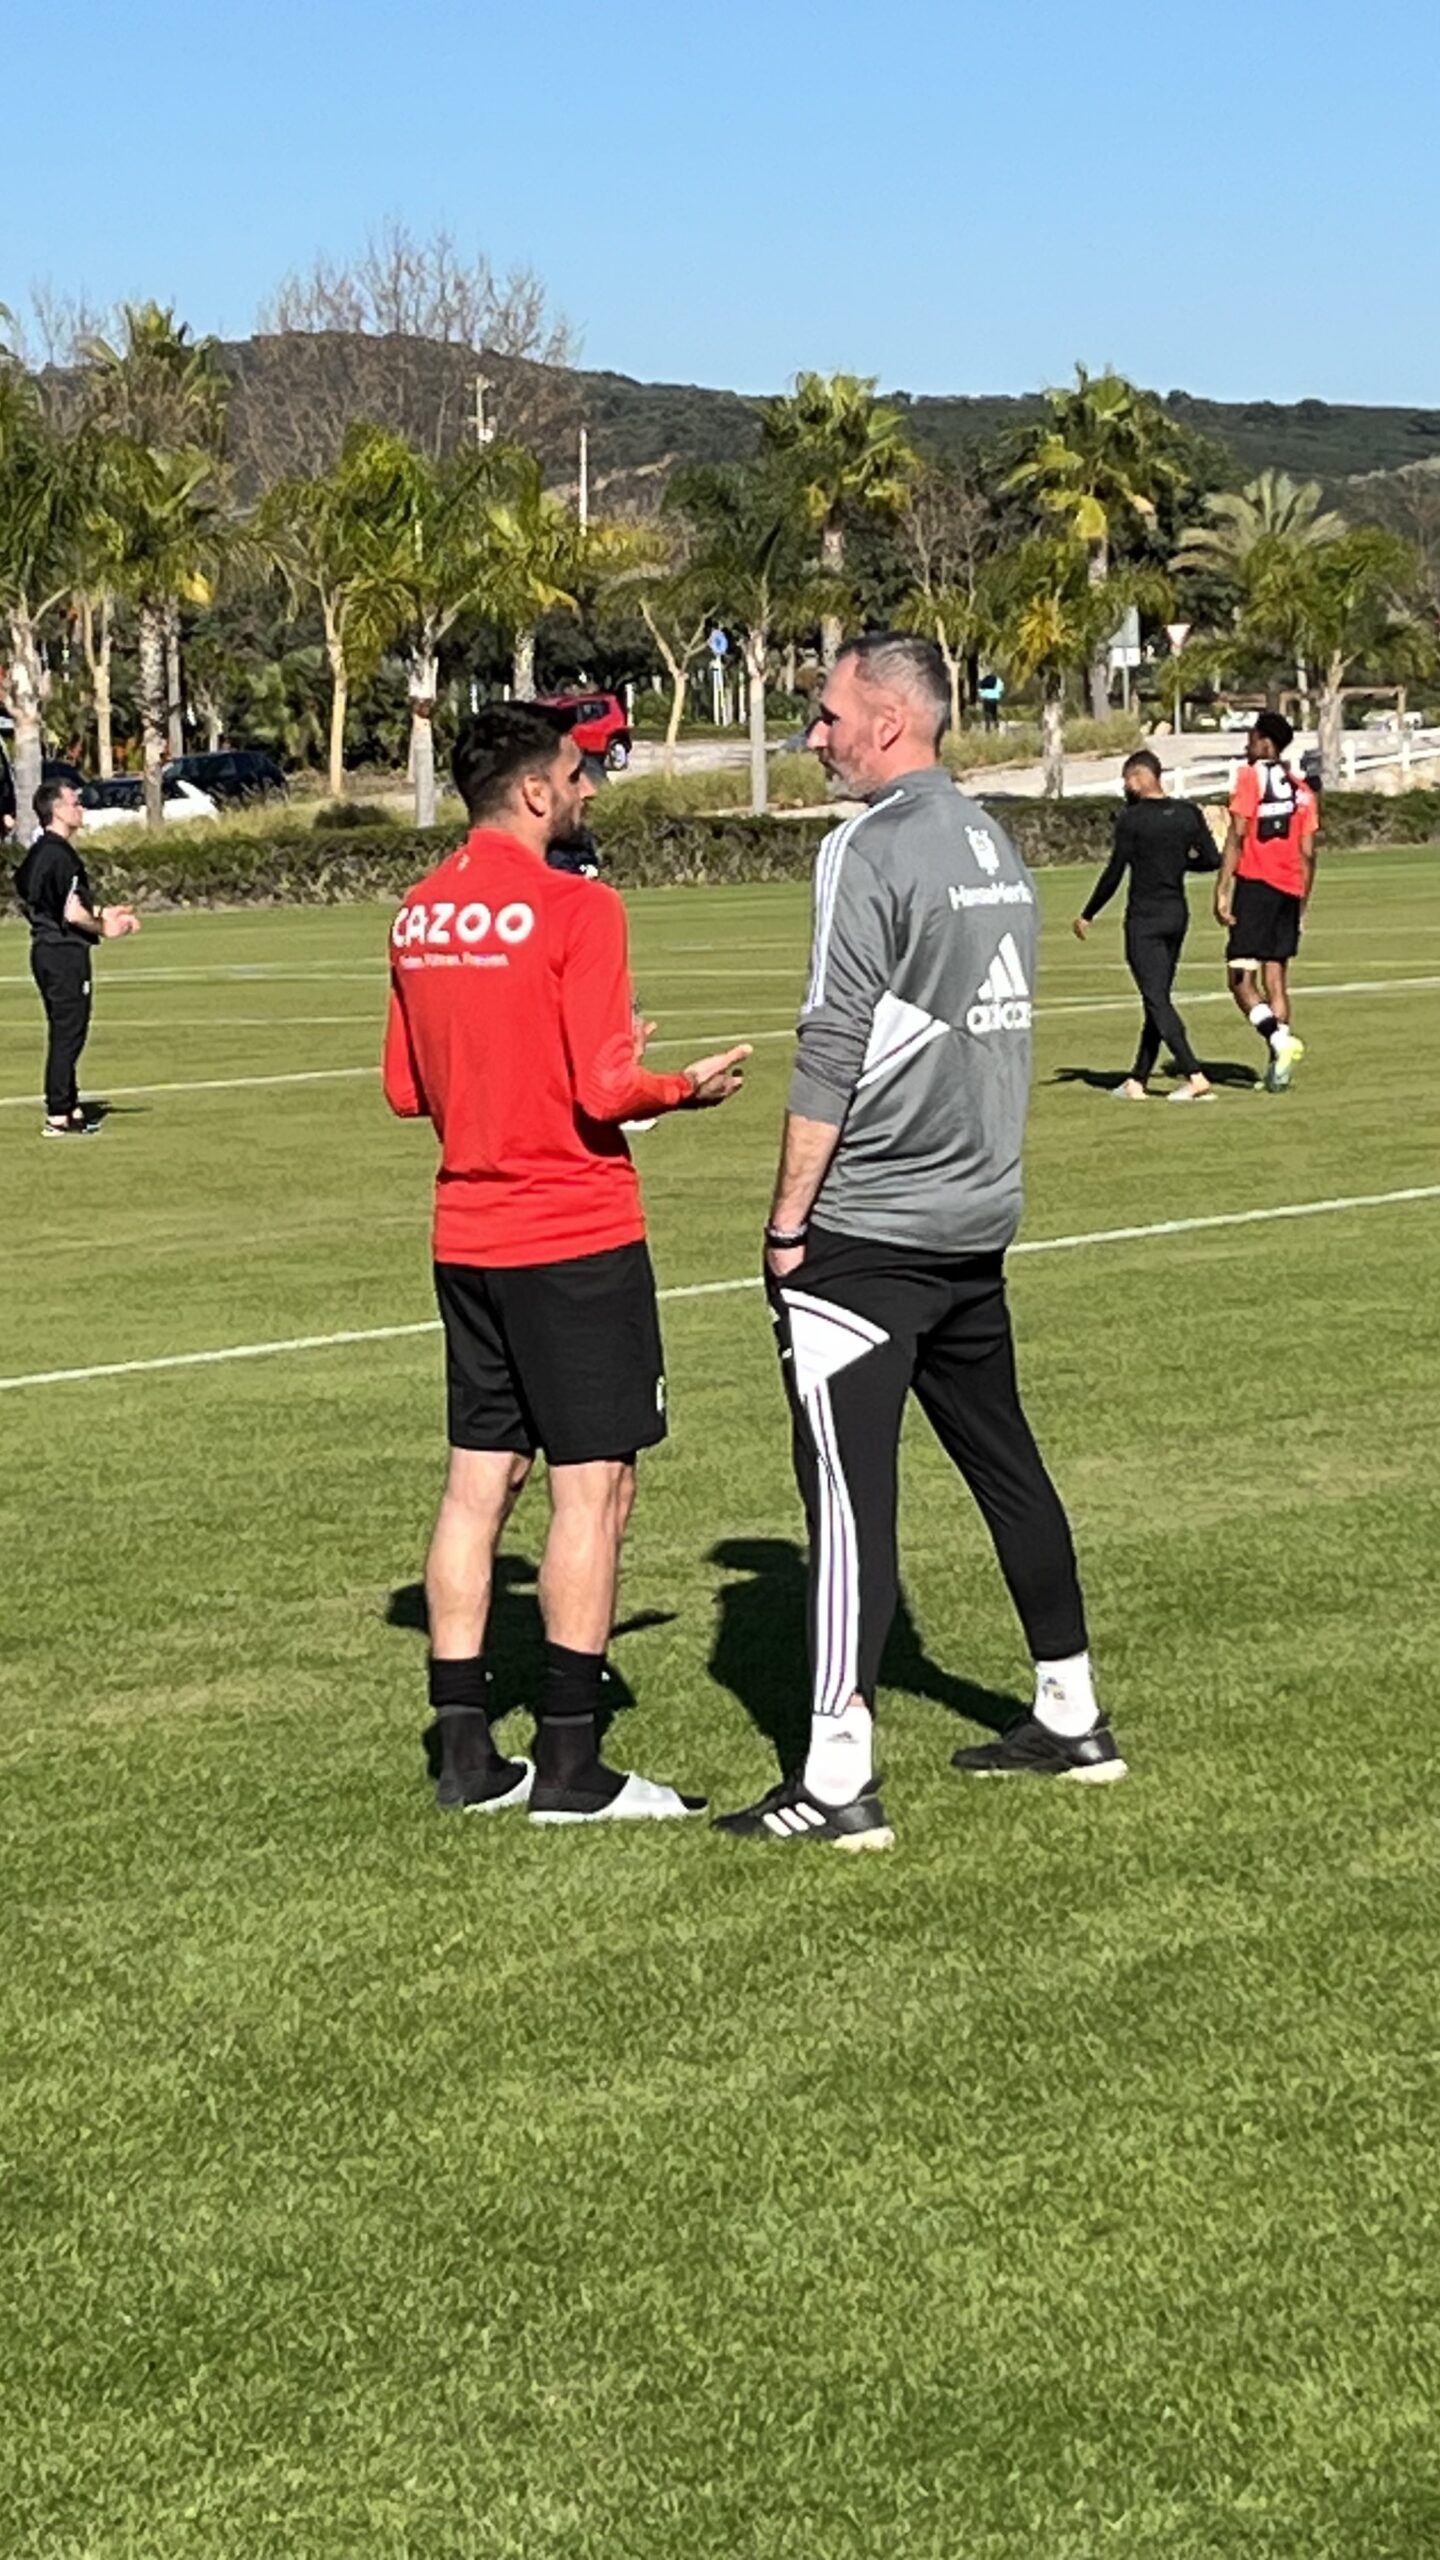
(951, 196)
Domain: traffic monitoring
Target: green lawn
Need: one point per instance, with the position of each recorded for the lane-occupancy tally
(377, 2183)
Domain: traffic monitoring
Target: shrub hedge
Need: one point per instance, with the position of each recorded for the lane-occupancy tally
(292, 865)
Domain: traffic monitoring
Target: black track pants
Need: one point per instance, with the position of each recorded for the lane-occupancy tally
(1153, 954)
(859, 1325)
(62, 973)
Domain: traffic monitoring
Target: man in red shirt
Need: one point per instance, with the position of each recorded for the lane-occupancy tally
(1266, 874)
(511, 1028)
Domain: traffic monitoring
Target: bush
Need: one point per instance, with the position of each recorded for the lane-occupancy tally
(310, 866)
(337, 816)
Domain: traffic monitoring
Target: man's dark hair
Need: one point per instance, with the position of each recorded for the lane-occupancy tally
(45, 801)
(1275, 728)
(499, 743)
(910, 665)
(1144, 756)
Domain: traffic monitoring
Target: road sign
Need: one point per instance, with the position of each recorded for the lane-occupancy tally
(718, 645)
(1124, 648)
(1177, 633)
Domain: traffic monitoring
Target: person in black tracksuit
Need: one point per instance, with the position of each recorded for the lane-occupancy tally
(1157, 841)
(53, 888)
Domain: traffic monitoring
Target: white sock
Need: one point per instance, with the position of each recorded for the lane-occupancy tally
(1279, 1035)
(841, 1758)
(1065, 1697)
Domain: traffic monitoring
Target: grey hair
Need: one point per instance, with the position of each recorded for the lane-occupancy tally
(908, 665)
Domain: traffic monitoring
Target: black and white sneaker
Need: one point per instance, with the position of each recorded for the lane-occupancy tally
(789, 1813)
(1028, 1749)
(636, 1800)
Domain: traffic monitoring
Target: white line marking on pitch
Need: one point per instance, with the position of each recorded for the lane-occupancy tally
(717, 1288)
(1085, 1005)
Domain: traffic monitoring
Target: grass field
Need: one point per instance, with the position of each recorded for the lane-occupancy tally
(1059, 2186)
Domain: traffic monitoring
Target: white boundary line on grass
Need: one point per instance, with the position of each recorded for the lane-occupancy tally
(718, 1288)
(1082, 1005)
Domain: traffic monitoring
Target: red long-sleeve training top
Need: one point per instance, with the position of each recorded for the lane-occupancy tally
(510, 1028)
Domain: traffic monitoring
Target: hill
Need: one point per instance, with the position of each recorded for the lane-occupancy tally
(294, 393)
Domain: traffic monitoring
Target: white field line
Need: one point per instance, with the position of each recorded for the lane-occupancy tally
(718, 1288)
(337, 1075)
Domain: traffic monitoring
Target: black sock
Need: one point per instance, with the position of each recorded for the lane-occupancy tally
(567, 1753)
(470, 1766)
(1267, 1023)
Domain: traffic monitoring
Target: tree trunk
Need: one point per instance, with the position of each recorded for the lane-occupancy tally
(214, 724)
(1052, 736)
(1332, 725)
(1100, 664)
(424, 683)
(677, 714)
(174, 695)
(756, 651)
(522, 672)
(955, 669)
(339, 707)
(154, 619)
(98, 645)
(27, 688)
(832, 628)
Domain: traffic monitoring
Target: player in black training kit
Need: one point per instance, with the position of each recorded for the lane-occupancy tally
(53, 888)
(1157, 841)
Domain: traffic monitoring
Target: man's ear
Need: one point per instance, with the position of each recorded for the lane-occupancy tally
(535, 793)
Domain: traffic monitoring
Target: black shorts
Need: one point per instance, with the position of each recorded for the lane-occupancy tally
(1266, 926)
(560, 1356)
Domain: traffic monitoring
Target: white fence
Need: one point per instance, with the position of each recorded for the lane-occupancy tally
(1362, 752)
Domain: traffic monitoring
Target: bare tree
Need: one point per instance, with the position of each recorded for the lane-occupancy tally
(949, 523)
(411, 336)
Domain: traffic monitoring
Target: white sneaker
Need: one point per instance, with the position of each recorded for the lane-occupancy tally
(639, 1800)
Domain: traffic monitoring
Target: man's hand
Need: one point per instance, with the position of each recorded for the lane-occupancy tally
(1081, 928)
(115, 921)
(781, 1260)
(644, 1033)
(1224, 911)
(715, 1079)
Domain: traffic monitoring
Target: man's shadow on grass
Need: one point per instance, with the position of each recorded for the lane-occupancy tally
(759, 1651)
(515, 1643)
(1104, 1079)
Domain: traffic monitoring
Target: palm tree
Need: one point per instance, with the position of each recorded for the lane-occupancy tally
(177, 535)
(450, 558)
(1355, 603)
(159, 388)
(334, 538)
(537, 551)
(1101, 460)
(747, 556)
(1271, 509)
(1258, 545)
(849, 455)
(1051, 617)
(39, 523)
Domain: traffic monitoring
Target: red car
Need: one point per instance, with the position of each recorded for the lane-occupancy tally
(597, 724)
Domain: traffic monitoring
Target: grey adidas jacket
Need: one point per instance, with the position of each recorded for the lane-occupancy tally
(915, 1036)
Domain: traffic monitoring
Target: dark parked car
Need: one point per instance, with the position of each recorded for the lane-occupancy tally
(232, 774)
(54, 769)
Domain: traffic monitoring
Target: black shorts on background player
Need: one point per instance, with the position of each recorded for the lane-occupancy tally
(564, 1357)
(1266, 923)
